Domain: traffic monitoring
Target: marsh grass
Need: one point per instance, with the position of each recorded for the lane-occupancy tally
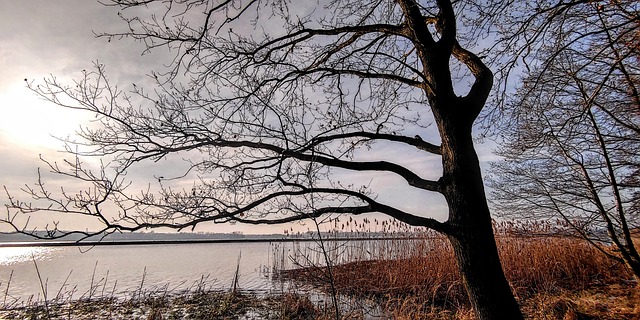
(194, 304)
(416, 276)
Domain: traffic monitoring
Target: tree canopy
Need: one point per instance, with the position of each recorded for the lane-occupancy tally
(266, 100)
(572, 143)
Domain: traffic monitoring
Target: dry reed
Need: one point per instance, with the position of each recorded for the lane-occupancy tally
(417, 275)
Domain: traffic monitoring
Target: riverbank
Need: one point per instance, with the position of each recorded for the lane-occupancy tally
(201, 305)
(607, 302)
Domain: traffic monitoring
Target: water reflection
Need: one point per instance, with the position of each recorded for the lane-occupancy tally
(18, 255)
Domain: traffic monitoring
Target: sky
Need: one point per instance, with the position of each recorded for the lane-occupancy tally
(41, 38)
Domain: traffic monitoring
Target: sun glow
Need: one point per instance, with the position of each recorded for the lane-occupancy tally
(29, 122)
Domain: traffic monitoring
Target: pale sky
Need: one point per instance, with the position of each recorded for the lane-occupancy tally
(44, 37)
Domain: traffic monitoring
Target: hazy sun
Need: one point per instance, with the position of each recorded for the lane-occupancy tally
(29, 122)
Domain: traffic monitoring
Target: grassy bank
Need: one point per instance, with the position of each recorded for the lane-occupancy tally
(202, 305)
(611, 301)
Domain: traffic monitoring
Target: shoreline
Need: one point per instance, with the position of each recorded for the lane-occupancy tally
(45, 243)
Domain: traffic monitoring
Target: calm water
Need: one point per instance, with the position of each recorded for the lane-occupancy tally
(127, 268)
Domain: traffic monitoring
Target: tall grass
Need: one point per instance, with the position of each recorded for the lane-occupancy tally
(416, 267)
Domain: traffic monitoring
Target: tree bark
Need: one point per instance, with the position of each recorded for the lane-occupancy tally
(634, 265)
(471, 233)
(489, 292)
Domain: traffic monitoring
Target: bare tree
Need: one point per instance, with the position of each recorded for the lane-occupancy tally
(267, 100)
(572, 148)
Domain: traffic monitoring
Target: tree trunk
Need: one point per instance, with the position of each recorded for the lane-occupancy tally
(634, 264)
(489, 292)
(472, 234)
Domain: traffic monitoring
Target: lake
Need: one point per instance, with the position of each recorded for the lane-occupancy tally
(122, 270)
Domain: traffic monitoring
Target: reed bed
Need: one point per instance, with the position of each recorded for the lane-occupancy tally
(412, 272)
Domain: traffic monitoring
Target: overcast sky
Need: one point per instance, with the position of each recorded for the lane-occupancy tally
(43, 37)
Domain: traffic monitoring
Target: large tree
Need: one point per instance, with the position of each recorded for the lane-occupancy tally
(572, 147)
(268, 100)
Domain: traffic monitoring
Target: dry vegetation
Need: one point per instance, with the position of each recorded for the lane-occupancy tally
(552, 277)
(202, 305)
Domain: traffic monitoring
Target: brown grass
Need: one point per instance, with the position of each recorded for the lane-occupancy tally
(553, 277)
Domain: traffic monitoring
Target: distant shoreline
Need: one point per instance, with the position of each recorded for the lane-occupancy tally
(44, 243)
